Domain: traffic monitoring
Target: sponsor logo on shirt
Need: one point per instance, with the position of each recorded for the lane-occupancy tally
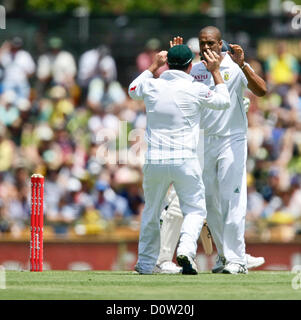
(133, 88)
(201, 77)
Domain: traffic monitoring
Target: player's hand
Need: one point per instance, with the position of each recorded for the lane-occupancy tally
(213, 60)
(238, 56)
(176, 41)
(160, 60)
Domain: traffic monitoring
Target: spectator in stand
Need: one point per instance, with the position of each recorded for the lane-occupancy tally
(24, 110)
(104, 92)
(272, 193)
(5, 223)
(14, 195)
(146, 58)
(110, 205)
(89, 67)
(56, 67)
(282, 68)
(294, 203)
(278, 142)
(7, 150)
(49, 151)
(62, 106)
(69, 208)
(255, 205)
(86, 196)
(9, 113)
(294, 101)
(18, 67)
(18, 208)
(52, 193)
(127, 183)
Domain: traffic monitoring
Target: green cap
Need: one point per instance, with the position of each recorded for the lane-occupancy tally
(55, 43)
(179, 55)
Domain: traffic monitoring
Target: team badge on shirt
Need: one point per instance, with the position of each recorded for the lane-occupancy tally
(226, 76)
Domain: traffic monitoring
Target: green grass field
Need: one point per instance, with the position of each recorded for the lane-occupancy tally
(106, 285)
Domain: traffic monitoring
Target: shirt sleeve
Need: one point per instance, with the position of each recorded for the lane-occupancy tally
(136, 87)
(218, 99)
(243, 77)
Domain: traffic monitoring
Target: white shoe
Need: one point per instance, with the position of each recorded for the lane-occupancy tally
(167, 267)
(219, 265)
(188, 265)
(235, 268)
(254, 262)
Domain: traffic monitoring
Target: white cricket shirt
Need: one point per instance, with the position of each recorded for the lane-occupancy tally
(232, 120)
(173, 109)
(17, 67)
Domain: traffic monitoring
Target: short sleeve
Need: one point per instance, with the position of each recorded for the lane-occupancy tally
(243, 77)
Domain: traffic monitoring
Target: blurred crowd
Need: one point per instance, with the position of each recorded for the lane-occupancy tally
(68, 120)
(71, 120)
(274, 150)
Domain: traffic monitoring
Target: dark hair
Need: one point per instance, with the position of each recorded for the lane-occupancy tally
(177, 67)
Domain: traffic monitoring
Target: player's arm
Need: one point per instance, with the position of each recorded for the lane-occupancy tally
(218, 99)
(136, 87)
(135, 90)
(255, 83)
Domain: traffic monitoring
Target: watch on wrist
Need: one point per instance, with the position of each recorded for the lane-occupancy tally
(243, 66)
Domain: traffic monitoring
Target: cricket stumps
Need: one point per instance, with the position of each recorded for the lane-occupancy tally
(36, 221)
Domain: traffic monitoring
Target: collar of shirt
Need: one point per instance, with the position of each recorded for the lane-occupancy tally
(226, 60)
(176, 74)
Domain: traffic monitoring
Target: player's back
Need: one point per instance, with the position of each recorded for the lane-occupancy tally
(173, 113)
(172, 101)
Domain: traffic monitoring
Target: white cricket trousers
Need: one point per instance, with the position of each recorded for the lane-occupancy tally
(224, 177)
(226, 193)
(187, 180)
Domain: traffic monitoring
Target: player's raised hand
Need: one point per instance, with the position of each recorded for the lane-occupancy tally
(159, 61)
(161, 58)
(176, 41)
(213, 60)
(238, 56)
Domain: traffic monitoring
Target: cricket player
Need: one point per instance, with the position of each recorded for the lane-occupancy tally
(173, 109)
(225, 154)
